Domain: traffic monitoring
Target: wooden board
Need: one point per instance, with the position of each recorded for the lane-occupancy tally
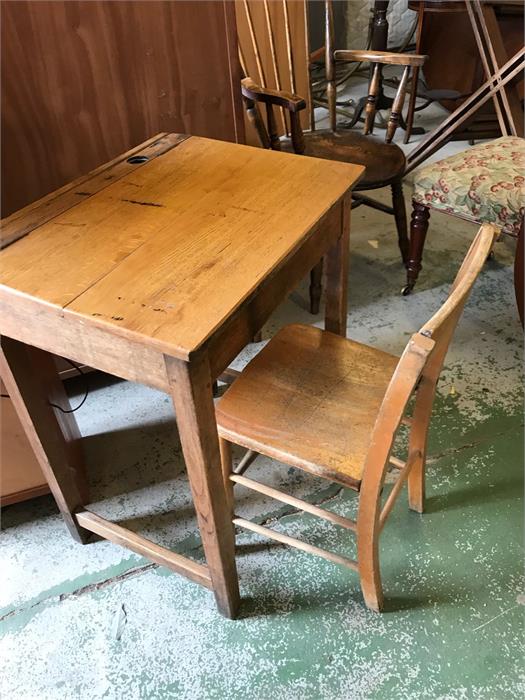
(20, 475)
(165, 256)
(85, 81)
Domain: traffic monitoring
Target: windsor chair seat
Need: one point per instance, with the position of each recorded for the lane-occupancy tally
(333, 407)
(384, 163)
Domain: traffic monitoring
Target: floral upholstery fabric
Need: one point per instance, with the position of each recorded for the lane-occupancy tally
(485, 184)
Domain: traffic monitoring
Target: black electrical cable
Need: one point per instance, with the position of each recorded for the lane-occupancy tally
(86, 390)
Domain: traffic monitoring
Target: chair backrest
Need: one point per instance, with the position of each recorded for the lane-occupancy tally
(421, 362)
(378, 59)
(273, 47)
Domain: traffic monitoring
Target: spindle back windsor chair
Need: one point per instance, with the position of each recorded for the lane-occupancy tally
(384, 161)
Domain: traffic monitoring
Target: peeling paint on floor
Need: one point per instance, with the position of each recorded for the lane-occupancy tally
(453, 577)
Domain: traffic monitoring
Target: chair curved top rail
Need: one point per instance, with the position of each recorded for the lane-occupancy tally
(469, 270)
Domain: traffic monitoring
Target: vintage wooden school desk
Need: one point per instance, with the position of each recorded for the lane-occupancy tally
(159, 267)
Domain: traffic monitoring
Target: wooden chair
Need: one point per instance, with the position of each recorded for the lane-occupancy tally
(384, 161)
(484, 184)
(332, 407)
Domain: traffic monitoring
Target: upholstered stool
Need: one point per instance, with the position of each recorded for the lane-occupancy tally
(485, 184)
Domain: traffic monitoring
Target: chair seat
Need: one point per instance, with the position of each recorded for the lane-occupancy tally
(384, 162)
(310, 398)
(485, 184)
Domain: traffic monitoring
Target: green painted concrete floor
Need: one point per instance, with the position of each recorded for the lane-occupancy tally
(99, 622)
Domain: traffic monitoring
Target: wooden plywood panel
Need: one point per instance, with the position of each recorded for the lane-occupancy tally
(83, 81)
(289, 75)
(20, 474)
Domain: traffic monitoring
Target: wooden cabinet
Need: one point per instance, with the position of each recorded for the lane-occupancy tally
(20, 475)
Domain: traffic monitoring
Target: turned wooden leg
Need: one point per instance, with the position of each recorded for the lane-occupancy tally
(336, 261)
(316, 287)
(411, 105)
(400, 215)
(192, 397)
(32, 380)
(418, 233)
(519, 288)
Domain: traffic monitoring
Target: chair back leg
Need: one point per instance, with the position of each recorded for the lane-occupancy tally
(368, 530)
(418, 443)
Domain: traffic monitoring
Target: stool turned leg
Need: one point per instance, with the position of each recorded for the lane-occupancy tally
(316, 287)
(418, 233)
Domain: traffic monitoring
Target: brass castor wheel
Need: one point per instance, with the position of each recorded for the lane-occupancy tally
(407, 289)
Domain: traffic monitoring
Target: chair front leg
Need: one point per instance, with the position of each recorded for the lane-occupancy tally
(418, 233)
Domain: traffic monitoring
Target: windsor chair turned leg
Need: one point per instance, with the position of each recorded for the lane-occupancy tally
(418, 233)
(400, 215)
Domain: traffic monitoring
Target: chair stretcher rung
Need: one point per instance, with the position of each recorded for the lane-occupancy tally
(295, 502)
(398, 463)
(404, 472)
(293, 542)
(248, 458)
(140, 545)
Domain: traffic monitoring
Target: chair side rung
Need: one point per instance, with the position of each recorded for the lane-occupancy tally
(295, 502)
(293, 542)
(404, 472)
(397, 463)
(248, 458)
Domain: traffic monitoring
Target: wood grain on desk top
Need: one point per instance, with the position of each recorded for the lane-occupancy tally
(166, 254)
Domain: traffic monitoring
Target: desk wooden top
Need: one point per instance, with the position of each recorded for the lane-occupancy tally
(165, 251)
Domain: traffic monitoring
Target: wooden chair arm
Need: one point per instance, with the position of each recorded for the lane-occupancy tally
(281, 98)
(383, 57)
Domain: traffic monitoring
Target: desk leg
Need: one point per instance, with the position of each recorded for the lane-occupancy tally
(192, 398)
(336, 262)
(32, 381)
